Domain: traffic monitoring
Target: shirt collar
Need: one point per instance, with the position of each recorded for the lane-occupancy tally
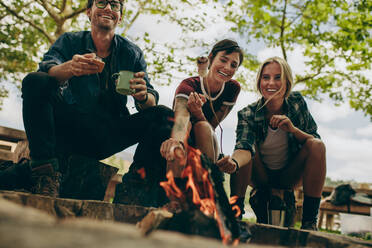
(91, 48)
(210, 98)
(261, 111)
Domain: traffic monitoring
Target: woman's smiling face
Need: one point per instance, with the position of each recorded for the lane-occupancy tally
(224, 66)
(271, 82)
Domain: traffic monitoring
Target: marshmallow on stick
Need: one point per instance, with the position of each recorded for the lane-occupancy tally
(203, 64)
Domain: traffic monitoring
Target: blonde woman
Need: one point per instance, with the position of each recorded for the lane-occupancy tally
(277, 144)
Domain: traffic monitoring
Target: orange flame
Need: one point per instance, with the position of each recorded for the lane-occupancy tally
(235, 208)
(142, 172)
(233, 199)
(170, 186)
(201, 188)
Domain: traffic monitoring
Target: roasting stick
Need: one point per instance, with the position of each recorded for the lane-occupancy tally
(203, 66)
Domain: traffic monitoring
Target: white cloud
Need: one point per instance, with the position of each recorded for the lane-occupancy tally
(11, 114)
(326, 111)
(357, 171)
(365, 131)
(347, 156)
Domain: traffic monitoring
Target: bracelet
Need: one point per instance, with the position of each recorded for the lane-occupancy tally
(144, 100)
(237, 165)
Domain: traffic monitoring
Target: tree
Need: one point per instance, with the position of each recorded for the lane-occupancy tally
(29, 27)
(335, 37)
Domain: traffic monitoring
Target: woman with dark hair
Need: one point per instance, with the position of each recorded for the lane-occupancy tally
(203, 101)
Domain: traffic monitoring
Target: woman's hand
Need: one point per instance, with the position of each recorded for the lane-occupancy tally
(195, 104)
(282, 122)
(172, 149)
(227, 165)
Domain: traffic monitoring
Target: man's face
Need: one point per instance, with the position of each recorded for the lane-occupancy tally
(104, 17)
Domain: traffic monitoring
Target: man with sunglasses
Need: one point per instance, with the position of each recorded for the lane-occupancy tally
(70, 105)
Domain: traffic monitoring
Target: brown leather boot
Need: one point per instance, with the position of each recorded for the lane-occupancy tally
(45, 180)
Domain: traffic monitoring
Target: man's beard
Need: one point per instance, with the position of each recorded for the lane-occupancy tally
(104, 27)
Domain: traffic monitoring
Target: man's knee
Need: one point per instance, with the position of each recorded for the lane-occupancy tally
(160, 120)
(35, 84)
(159, 113)
(163, 110)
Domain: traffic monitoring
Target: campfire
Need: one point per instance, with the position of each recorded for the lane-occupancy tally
(198, 202)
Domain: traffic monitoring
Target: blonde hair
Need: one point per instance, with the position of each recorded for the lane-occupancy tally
(285, 76)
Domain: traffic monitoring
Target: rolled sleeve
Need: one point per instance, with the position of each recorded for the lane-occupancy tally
(309, 125)
(58, 53)
(245, 135)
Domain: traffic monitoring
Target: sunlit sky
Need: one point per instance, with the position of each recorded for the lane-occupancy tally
(346, 133)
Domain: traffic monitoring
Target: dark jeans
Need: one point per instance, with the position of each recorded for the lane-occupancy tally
(53, 126)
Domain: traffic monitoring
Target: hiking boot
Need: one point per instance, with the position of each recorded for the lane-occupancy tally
(309, 225)
(15, 176)
(45, 180)
(258, 200)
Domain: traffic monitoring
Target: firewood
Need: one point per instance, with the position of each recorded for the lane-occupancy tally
(154, 220)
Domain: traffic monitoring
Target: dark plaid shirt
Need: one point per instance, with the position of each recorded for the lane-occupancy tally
(252, 124)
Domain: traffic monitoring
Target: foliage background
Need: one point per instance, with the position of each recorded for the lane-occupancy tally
(334, 37)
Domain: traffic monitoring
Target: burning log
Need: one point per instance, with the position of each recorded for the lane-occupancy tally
(198, 202)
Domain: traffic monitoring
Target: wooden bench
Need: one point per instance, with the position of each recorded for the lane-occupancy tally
(13, 144)
(328, 211)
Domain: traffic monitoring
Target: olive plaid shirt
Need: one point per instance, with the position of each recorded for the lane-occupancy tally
(252, 124)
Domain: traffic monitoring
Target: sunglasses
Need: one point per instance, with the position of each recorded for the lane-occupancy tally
(115, 5)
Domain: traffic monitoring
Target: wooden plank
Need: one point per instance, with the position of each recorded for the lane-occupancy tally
(6, 155)
(11, 134)
(5, 147)
(354, 208)
(21, 151)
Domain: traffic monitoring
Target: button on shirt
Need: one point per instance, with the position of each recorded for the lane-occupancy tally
(252, 125)
(85, 92)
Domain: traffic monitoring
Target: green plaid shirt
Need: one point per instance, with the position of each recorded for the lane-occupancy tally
(252, 124)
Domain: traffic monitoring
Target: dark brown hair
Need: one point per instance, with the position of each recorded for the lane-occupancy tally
(227, 45)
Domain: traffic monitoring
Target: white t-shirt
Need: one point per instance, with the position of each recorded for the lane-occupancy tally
(274, 149)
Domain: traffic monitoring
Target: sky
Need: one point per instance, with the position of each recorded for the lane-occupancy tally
(346, 133)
